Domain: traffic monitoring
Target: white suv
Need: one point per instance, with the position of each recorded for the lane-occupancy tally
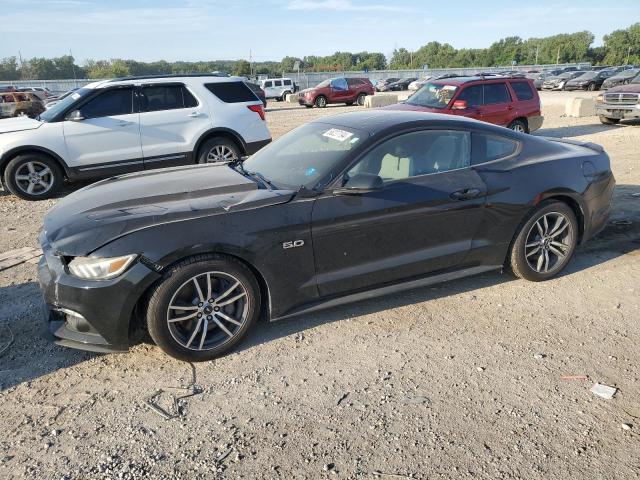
(128, 124)
(277, 88)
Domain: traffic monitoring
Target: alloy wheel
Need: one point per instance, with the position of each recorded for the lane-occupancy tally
(549, 242)
(207, 310)
(518, 127)
(221, 153)
(34, 178)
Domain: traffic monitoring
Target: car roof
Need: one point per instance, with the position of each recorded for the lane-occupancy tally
(162, 79)
(377, 120)
(477, 78)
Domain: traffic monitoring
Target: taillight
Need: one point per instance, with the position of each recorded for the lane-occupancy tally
(258, 109)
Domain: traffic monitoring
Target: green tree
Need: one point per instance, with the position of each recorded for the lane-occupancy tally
(9, 69)
(622, 44)
(242, 68)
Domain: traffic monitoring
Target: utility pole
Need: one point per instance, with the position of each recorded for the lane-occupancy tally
(73, 66)
(21, 63)
(628, 53)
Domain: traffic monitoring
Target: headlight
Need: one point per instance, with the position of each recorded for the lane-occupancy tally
(99, 268)
(599, 99)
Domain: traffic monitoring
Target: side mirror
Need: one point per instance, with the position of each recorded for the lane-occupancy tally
(459, 105)
(361, 183)
(75, 116)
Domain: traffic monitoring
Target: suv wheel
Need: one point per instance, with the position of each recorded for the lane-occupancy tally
(518, 126)
(545, 242)
(33, 176)
(609, 121)
(591, 87)
(360, 99)
(284, 95)
(218, 150)
(203, 307)
(321, 101)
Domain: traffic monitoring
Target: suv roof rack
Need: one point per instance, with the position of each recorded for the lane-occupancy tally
(169, 75)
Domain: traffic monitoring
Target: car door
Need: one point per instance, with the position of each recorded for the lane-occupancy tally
(422, 221)
(340, 91)
(105, 133)
(497, 107)
(171, 120)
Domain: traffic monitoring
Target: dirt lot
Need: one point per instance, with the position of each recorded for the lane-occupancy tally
(459, 380)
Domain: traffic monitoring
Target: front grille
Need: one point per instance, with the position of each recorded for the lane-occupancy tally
(621, 98)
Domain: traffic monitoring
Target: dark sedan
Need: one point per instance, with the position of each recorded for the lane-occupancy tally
(401, 84)
(340, 209)
(622, 78)
(591, 80)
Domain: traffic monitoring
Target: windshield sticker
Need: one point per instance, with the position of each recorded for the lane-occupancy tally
(449, 87)
(337, 134)
(75, 96)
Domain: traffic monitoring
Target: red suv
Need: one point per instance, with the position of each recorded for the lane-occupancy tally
(337, 90)
(511, 102)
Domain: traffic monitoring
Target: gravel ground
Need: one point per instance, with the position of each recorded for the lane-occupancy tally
(459, 380)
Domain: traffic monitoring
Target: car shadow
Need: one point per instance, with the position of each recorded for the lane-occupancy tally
(580, 130)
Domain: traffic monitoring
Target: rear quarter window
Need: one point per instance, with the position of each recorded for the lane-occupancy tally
(486, 148)
(232, 92)
(523, 90)
(496, 93)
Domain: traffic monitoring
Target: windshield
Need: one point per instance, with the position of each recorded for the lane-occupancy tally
(63, 104)
(587, 75)
(305, 155)
(628, 73)
(323, 84)
(433, 95)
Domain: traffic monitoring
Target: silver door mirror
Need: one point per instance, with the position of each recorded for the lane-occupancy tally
(75, 116)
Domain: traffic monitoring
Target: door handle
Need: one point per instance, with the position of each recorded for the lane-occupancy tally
(124, 124)
(194, 114)
(466, 194)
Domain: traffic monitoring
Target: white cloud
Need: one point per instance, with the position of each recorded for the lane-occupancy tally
(342, 5)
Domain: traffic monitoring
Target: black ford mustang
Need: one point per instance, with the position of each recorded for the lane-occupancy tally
(339, 209)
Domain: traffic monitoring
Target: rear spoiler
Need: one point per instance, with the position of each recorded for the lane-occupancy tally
(590, 145)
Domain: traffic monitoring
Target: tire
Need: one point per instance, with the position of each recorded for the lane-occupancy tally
(284, 95)
(218, 150)
(320, 101)
(518, 126)
(36, 172)
(609, 121)
(186, 339)
(591, 87)
(524, 260)
(360, 99)
(309, 106)
(349, 104)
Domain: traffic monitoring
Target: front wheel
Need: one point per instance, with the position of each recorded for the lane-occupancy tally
(591, 87)
(33, 176)
(218, 150)
(203, 307)
(545, 242)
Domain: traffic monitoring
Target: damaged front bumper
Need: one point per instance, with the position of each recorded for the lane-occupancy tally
(88, 314)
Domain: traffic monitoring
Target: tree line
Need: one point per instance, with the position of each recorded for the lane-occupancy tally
(619, 47)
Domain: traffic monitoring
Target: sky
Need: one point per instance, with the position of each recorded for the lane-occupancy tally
(192, 30)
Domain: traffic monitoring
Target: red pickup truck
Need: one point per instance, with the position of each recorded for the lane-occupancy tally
(337, 90)
(511, 102)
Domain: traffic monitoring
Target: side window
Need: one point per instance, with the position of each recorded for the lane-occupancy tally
(188, 99)
(277, 83)
(268, 84)
(161, 97)
(472, 95)
(118, 101)
(287, 82)
(496, 93)
(417, 153)
(339, 84)
(523, 90)
(490, 147)
(232, 92)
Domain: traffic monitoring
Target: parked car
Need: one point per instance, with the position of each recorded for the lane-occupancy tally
(19, 104)
(340, 209)
(260, 93)
(42, 93)
(128, 124)
(558, 82)
(380, 84)
(510, 102)
(416, 84)
(591, 80)
(621, 78)
(400, 84)
(337, 90)
(55, 100)
(619, 103)
(278, 88)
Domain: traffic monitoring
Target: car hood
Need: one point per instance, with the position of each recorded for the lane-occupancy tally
(629, 88)
(306, 90)
(412, 108)
(100, 213)
(18, 124)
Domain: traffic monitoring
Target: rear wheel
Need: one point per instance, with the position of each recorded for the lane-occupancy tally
(591, 87)
(218, 150)
(203, 308)
(33, 176)
(321, 101)
(609, 121)
(545, 242)
(518, 126)
(284, 95)
(360, 99)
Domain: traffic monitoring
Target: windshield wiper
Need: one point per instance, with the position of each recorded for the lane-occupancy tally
(259, 176)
